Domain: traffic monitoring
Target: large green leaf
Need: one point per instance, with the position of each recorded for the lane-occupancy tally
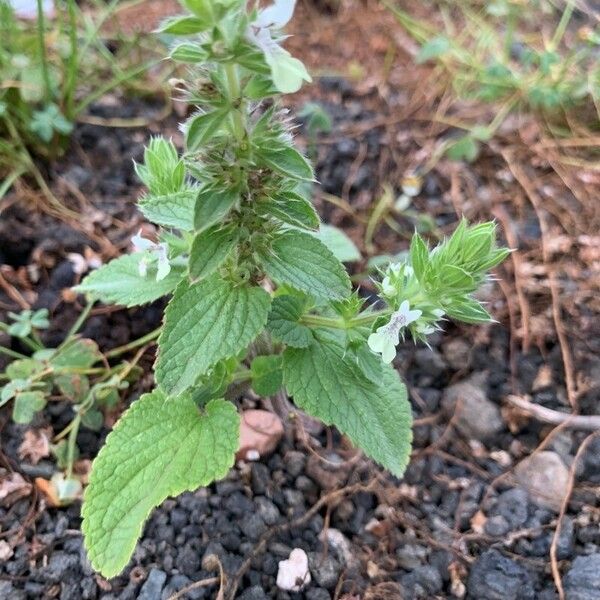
(284, 322)
(292, 209)
(377, 418)
(343, 248)
(161, 447)
(205, 323)
(210, 248)
(303, 262)
(119, 282)
(172, 210)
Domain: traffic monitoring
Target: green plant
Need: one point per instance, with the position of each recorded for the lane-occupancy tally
(75, 372)
(256, 297)
(499, 58)
(50, 71)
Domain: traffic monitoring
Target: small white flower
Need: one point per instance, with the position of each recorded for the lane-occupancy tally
(387, 288)
(152, 251)
(387, 337)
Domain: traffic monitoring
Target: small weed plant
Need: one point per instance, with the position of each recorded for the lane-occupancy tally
(256, 296)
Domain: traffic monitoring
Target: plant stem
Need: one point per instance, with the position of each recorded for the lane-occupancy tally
(135, 344)
(78, 323)
(71, 444)
(72, 63)
(12, 353)
(41, 23)
(237, 117)
(562, 25)
(365, 318)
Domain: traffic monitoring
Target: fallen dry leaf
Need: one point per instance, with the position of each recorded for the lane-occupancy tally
(35, 445)
(12, 488)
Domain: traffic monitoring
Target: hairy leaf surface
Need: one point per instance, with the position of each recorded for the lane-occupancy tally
(205, 323)
(284, 322)
(119, 282)
(160, 447)
(301, 261)
(210, 248)
(377, 418)
(171, 210)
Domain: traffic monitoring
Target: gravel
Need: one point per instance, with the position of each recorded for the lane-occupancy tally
(582, 581)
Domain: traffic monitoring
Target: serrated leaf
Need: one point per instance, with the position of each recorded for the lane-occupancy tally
(212, 205)
(210, 249)
(377, 418)
(267, 376)
(171, 210)
(287, 161)
(26, 405)
(284, 324)
(205, 323)
(160, 447)
(201, 128)
(301, 261)
(343, 248)
(292, 209)
(119, 282)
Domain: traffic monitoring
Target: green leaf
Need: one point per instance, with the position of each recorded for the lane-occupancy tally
(210, 249)
(160, 447)
(24, 368)
(301, 261)
(267, 376)
(465, 148)
(434, 48)
(419, 255)
(292, 209)
(171, 210)
(184, 25)
(26, 405)
(189, 53)
(205, 323)
(284, 321)
(287, 161)
(79, 353)
(212, 205)
(468, 310)
(343, 248)
(377, 418)
(201, 128)
(119, 282)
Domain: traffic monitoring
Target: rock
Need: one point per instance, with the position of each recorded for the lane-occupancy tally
(512, 505)
(267, 510)
(260, 432)
(456, 353)
(475, 416)
(60, 566)
(330, 473)
(566, 540)
(188, 560)
(411, 556)
(545, 478)
(293, 573)
(254, 593)
(430, 361)
(582, 581)
(342, 547)
(426, 578)
(294, 462)
(325, 569)
(260, 478)
(495, 577)
(152, 588)
(317, 594)
(253, 526)
(496, 526)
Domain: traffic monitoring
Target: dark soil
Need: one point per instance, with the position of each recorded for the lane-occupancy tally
(459, 524)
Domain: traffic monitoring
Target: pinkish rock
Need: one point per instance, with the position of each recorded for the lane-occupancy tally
(260, 432)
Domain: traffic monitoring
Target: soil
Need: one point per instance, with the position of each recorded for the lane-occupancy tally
(469, 518)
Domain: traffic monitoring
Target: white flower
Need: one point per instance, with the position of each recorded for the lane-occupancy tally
(387, 337)
(152, 251)
(387, 288)
(287, 72)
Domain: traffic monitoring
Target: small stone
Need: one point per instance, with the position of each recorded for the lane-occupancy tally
(293, 497)
(293, 573)
(152, 588)
(5, 551)
(426, 577)
(325, 569)
(513, 506)
(341, 545)
(188, 560)
(475, 416)
(456, 353)
(267, 510)
(60, 565)
(254, 593)
(317, 594)
(430, 361)
(496, 526)
(260, 431)
(545, 478)
(294, 462)
(411, 556)
(582, 581)
(330, 473)
(260, 478)
(253, 526)
(495, 577)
